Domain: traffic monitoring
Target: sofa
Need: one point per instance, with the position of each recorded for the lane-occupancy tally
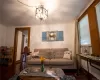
(53, 57)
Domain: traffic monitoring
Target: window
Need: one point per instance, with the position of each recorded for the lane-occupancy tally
(98, 16)
(84, 32)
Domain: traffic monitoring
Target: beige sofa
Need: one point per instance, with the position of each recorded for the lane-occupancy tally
(54, 58)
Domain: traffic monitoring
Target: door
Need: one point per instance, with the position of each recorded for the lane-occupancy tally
(19, 42)
(19, 46)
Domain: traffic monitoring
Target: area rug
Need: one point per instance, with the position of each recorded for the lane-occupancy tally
(15, 77)
(66, 77)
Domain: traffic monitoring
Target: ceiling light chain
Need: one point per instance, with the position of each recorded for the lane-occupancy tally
(40, 13)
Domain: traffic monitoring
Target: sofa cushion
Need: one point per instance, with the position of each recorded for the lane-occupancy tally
(58, 55)
(34, 61)
(51, 61)
(47, 55)
(52, 53)
(61, 61)
(37, 61)
(44, 54)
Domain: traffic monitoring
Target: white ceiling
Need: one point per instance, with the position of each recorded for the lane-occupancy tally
(14, 13)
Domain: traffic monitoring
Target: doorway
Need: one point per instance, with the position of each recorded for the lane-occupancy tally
(22, 39)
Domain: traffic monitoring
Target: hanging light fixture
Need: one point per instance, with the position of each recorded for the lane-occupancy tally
(41, 13)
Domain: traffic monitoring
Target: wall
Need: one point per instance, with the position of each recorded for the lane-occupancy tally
(69, 34)
(3, 38)
(10, 36)
(25, 33)
(26, 40)
(36, 36)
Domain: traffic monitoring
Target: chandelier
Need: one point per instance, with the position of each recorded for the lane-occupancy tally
(40, 13)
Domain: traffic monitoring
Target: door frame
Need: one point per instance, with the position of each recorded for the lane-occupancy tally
(15, 40)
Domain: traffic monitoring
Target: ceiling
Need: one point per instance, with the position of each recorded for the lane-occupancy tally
(13, 13)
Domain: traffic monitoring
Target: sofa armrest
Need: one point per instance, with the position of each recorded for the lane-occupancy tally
(28, 57)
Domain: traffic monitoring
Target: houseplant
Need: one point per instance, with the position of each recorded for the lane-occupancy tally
(42, 63)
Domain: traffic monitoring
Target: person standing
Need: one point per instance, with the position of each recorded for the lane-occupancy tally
(23, 57)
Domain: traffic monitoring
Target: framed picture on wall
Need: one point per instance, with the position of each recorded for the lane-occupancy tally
(52, 36)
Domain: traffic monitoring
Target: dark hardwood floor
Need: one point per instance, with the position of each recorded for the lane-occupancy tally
(7, 72)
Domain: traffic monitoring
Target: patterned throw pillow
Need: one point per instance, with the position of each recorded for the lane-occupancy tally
(35, 54)
(67, 55)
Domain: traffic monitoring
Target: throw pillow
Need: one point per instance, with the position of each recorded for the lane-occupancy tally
(67, 55)
(36, 53)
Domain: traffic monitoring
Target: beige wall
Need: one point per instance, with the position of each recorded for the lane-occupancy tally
(3, 38)
(10, 36)
(67, 28)
(36, 36)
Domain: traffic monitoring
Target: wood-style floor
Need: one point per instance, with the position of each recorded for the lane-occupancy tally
(7, 72)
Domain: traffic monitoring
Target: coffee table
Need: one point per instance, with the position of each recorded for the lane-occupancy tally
(32, 73)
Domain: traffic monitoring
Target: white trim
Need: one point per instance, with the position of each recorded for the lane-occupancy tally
(85, 8)
(84, 17)
(86, 45)
(97, 4)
